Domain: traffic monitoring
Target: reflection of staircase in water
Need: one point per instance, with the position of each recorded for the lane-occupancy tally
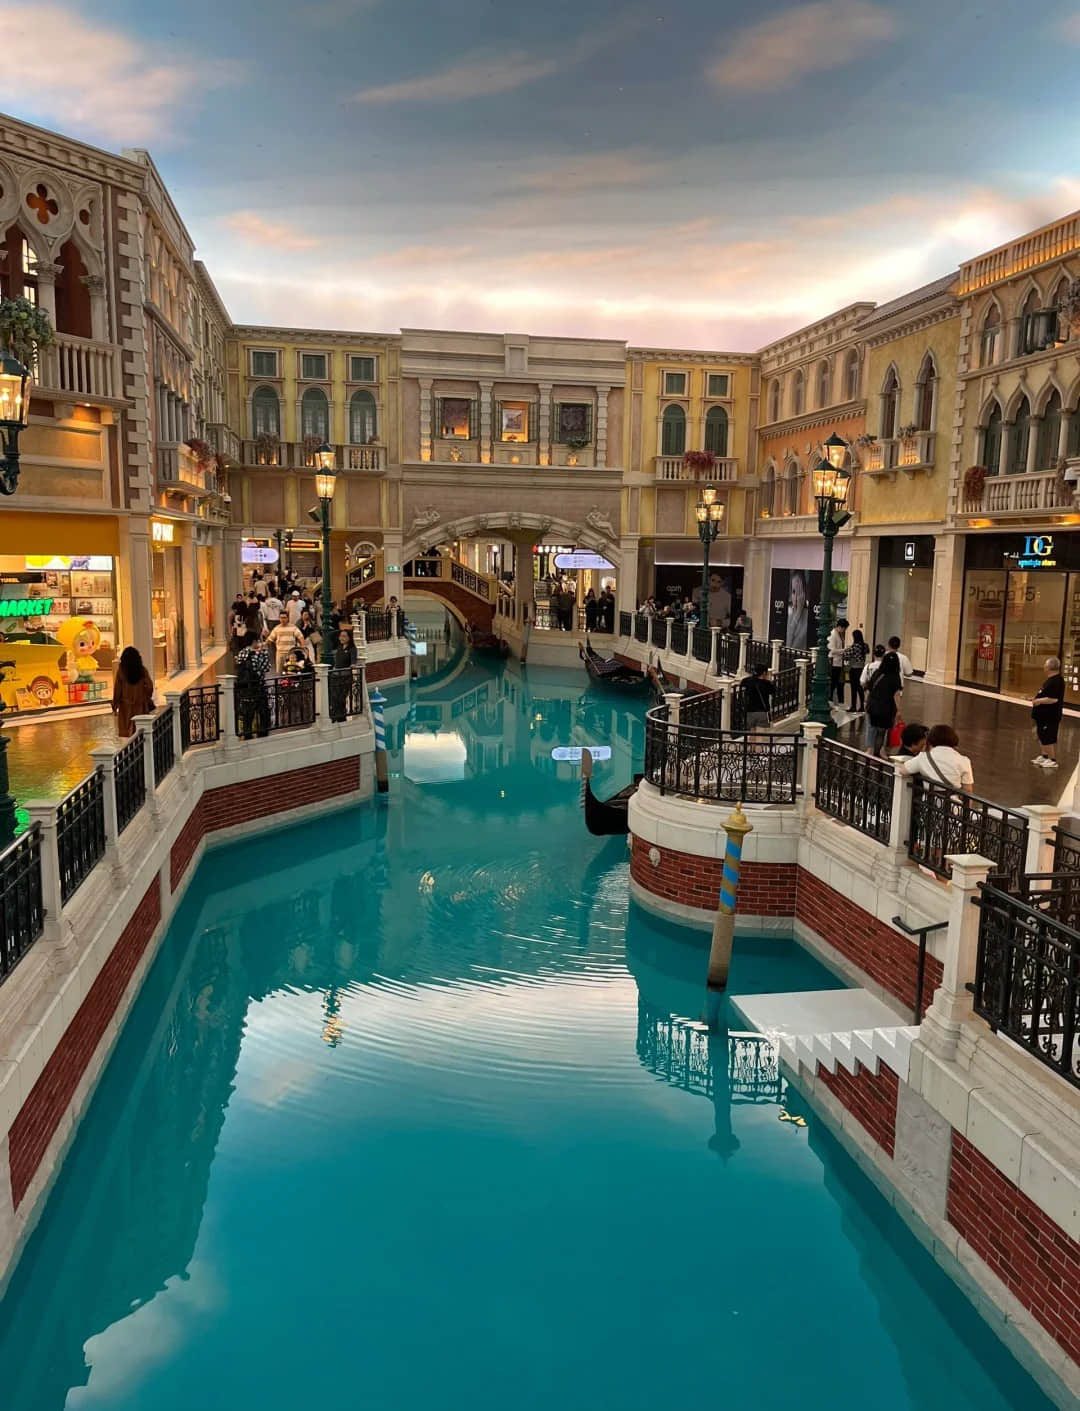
(685, 1052)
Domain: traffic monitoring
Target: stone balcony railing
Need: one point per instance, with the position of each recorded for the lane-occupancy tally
(178, 469)
(223, 439)
(83, 369)
(292, 455)
(725, 470)
(909, 454)
(1019, 495)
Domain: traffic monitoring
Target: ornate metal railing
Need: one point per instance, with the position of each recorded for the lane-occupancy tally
(22, 914)
(707, 763)
(346, 692)
(377, 624)
(470, 580)
(1027, 980)
(641, 627)
(702, 711)
(161, 736)
(680, 632)
(856, 788)
(701, 644)
(658, 632)
(130, 766)
(945, 821)
(200, 716)
(1066, 851)
(80, 833)
(758, 654)
(626, 623)
(290, 701)
(727, 654)
(789, 658)
(785, 700)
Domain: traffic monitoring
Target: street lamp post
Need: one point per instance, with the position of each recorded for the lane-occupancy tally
(831, 485)
(15, 384)
(710, 516)
(324, 485)
(288, 551)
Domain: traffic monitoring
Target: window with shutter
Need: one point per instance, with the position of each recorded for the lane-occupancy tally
(673, 434)
(717, 384)
(361, 369)
(313, 366)
(716, 431)
(263, 364)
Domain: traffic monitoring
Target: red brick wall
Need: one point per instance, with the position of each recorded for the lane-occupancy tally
(241, 803)
(782, 889)
(871, 1100)
(381, 670)
(1032, 1256)
(48, 1100)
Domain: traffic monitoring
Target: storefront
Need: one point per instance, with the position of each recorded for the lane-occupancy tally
(166, 599)
(206, 596)
(795, 587)
(677, 576)
(1021, 605)
(58, 625)
(905, 585)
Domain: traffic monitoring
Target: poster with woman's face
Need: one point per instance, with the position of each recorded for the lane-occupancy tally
(796, 604)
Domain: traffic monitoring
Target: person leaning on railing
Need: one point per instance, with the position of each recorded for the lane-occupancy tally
(941, 762)
(758, 689)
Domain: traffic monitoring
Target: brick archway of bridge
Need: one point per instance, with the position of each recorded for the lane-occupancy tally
(470, 610)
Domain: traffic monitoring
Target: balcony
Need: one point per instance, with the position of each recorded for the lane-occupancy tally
(82, 370)
(1020, 495)
(292, 454)
(177, 469)
(364, 457)
(223, 439)
(909, 454)
(724, 472)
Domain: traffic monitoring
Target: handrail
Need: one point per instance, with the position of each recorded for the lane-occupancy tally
(920, 971)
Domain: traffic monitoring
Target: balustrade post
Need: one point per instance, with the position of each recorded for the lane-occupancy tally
(667, 633)
(322, 697)
(144, 725)
(393, 624)
(104, 757)
(952, 1003)
(800, 667)
(774, 660)
(1042, 820)
(812, 731)
(43, 813)
(688, 655)
(900, 821)
(714, 652)
(360, 628)
(227, 707)
(727, 691)
(744, 644)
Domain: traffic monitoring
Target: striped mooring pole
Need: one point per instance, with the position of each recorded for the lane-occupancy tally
(382, 777)
(736, 828)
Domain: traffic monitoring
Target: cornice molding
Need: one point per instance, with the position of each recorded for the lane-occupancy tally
(823, 417)
(903, 327)
(309, 337)
(697, 356)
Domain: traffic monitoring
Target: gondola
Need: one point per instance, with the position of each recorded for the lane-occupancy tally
(606, 671)
(605, 817)
(486, 642)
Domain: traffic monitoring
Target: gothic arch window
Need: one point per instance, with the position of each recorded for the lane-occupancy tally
(926, 394)
(673, 432)
(890, 405)
(791, 488)
(990, 337)
(798, 392)
(315, 414)
(1018, 439)
(716, 431)
(1049, 433)
(19, 276)
(852, 376)
(265, 413)
(991, 441)
(72, 295)
(774, 399)
(824, 383)
(362, 424)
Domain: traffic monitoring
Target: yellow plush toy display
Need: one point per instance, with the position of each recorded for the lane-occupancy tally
(81, 638)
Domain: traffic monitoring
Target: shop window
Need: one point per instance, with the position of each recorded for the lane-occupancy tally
(1020, 434)
(716, 431)
(717, 384)
(673, 432)
(573, 423)
(315, 414)
(798, 393)
(926, 395)
(1049, 433)
(890, 406)
(824, 384)
(313, 367)
(455, 419)
(990, 338)
(265, 413)
(851, 376)
(991, 442)
(362, 424)
(263, 363)
(774, 400)
(514, 421)
(674, 384)
(361, 369)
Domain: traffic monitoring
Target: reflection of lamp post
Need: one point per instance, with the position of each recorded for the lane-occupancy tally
(710, 516)
(324, 485)
(15, 383)
(831, 485)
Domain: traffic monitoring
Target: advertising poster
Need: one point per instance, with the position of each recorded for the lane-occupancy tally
(675, 582)
(795, 606)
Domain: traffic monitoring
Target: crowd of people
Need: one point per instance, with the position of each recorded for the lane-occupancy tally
(599, 608)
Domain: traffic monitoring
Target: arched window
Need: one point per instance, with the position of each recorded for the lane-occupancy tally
(890, 406)
(18, 278)
(798, 393)
(716, 429)
(362, 428)
(774, 399)
(1027, 334)
(72, 295)
(674, 432)
(990, 338)
(315, 414)
(824, 384)
(1046, 457)
(791, 489)
(926, 394)
(991, 447)
(768, 491)
(1018, 440)
(265, 413)
(852, 376)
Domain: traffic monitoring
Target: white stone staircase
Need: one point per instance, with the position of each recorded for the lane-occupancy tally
(836, 1028)
(848, 1048)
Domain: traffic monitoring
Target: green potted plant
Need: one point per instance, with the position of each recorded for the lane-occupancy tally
(24, 329)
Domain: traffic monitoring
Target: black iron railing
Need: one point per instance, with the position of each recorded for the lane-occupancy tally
(278, 703)
(641, 627)
(161, 737)
(706, 763)
(727, 654)
(789, 657)
(346, 692)
(130, 781)
(380, 624)
(626, 623)
(658, 632)
(746, 1067)
(200, 716)
(702, 711)
(758, 654)
(1056, 893)
(80, 833)
(856, 788)
(701, 644)
(679, 635)
(946, 821)
(785, 700)
(22, 914)
(468, 579)
(1027, 980)
(1066, 851)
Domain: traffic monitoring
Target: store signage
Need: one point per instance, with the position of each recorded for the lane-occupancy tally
(553, 548)
(572, 753)
(581, 558)
(909, 551)
(1038, 552)
(161, 531)
(987, 636)
(25, 607)
(254, 553)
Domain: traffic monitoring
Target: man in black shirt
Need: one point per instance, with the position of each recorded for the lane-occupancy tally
(757, 691)
(1046, 712)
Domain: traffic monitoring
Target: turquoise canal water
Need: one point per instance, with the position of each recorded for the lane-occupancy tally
(401, 1119)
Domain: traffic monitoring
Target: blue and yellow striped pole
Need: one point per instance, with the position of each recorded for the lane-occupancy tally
(736, 828)
(382, 777)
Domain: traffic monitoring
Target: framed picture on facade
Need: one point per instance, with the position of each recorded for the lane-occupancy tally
(513, 423)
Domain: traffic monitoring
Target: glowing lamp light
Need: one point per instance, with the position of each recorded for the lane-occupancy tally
(15, 384)
(831, 485)
(324, 456)
(324, 485)
(835, 449)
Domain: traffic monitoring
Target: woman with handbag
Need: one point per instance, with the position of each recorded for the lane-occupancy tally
(855, 657)
(941, 762)
(883, 702)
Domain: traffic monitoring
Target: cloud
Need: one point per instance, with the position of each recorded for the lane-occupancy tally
(279, 235)
(475, 77)
(589, 171)
(1069, 28)
(96, 80)
(802, 40)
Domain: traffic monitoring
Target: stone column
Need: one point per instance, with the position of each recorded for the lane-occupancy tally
(1063, 433)
(1034, 429)
(172, 698)
(135, 580)
(628, 574)
(601, 424)
(221, 600)
(227, 707)
(801, 667)
(99, 308)
(945, 607)
(322, 697)
(43, 813)
(543, 446)
(714, 650)
(1042, 820)
(744, 643)
(393, 582)
(812, 732)
(952, 1004)
(47, 275)
(486, 430)
(192, 634)
(144, 726)
(900, 821)
(425, 418)
(667, 634)
(774, 659)
(104, 757)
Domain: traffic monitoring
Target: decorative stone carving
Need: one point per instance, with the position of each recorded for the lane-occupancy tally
(545, 524)
(482, 522)
(94, 283)
(514, 521)
(427, 516)
(596, 519)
